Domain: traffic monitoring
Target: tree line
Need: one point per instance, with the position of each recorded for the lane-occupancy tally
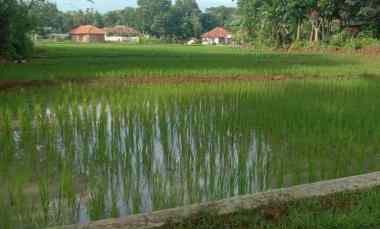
(278, 23)
(171, 21)
(161, 18)
(281, 22)
(15, 24)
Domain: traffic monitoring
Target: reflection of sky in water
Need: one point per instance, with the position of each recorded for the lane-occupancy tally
(121, 155)
(145, 169)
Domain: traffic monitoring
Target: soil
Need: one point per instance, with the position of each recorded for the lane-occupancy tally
(375, 51)
(14, 84)
(314, 50)
(369, 51)
(11, 84)
(274, 213)
(3, 61)
(336, 203)
(200, 79)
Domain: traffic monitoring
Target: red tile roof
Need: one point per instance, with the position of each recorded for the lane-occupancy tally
(120, 29)
(86, 29)
(217, 33)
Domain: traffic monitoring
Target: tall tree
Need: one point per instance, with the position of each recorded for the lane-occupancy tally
(188, 19)
(15, 24)
(221, 15)
(148, 11)
(284, 20)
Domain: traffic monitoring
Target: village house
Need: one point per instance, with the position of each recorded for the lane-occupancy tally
(122, 33)
(217, 36)
(58, 36)
(87, 33)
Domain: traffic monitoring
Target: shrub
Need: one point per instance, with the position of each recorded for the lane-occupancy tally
(301, 44)
(340, 39)
(347, 40)
(15, 27)
(361, 42)
(151, 41)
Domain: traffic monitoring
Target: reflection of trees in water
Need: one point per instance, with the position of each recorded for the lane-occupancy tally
(97, 159)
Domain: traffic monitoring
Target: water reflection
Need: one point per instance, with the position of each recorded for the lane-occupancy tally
(96, 159)
(81, 155)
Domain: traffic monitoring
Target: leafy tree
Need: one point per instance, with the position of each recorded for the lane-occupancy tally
(15, 25)
(283, 21)
(113, 18)
(160, 25)
(148, 11)
(129, 17)
(47, 17)
(188, 19)
(221, 16)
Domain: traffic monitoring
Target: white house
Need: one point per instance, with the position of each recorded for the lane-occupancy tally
(217, 36)
(122, 34)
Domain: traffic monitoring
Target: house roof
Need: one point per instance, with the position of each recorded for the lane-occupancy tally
(120, 29)
(216, 33)
(87, 29)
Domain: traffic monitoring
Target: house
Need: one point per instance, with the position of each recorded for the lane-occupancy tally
(87, 33)
(58, 36)
(219, 35)
(122, 33)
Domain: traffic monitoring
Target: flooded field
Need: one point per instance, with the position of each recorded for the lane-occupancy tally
(75, 153)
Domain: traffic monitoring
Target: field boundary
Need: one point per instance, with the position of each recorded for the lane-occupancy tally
(14, 84)
(232, 205)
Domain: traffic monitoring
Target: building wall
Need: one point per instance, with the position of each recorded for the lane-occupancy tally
(97, 38)
(122, 39)
(216, 41)
(88, 38)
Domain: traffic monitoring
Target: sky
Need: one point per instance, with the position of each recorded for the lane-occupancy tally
(108, 5)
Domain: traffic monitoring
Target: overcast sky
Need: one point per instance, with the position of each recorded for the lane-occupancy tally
(107, 5)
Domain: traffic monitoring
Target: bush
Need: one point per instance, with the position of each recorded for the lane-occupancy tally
(346, 40)
(340, 39)
(151, 41)
(299, 45)
(15, 27)
(362, 42)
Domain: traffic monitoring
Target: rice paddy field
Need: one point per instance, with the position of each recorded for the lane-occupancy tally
(58, 61)
(76, 152)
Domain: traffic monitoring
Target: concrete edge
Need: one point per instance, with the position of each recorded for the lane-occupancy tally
(231, 205)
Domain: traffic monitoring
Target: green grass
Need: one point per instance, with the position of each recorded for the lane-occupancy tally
(78, 61)
(79, 152)
(343, 210)
(76, 152)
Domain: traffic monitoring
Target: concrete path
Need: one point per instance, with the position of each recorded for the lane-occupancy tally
(231, 205)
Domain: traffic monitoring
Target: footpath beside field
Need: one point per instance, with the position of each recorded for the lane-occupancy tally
(271, 203)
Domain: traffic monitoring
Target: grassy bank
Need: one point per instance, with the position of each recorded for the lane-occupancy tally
(345, 210)
(78, 61)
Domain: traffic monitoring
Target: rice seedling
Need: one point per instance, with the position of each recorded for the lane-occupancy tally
(74, 61)
(88, 152)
